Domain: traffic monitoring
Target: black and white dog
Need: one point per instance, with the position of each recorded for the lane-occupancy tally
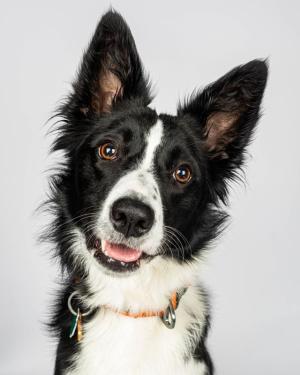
(137, 200)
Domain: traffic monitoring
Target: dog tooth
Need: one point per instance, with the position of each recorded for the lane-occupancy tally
(123, 264)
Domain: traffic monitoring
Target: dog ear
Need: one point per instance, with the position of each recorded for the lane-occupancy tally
(111, 69)
(226, 113)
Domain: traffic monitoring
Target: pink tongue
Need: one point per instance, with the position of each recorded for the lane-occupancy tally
(121, 252)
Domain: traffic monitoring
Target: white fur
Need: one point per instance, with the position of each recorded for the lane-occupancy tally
(114, 344)
(139, 183)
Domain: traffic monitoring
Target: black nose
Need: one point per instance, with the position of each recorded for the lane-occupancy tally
(131, 217)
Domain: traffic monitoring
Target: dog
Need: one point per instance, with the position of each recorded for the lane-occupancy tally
(137, 200)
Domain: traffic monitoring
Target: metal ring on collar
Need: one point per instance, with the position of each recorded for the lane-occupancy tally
(70, 307)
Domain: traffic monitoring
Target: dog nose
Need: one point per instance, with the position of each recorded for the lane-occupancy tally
(131, 217)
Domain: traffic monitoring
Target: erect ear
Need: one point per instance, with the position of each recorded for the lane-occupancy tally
(225, 114)
(228, 110)
(111, 69)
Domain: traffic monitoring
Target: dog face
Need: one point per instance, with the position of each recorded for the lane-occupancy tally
(137, 184)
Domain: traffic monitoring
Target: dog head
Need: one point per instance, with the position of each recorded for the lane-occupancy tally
(138, 185)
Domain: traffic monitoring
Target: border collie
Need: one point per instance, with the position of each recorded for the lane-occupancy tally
(138, 198)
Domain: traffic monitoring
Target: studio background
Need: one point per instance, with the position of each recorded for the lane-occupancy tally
(253, 273)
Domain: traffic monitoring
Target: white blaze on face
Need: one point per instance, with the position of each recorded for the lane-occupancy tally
(152, 142)
(139, 184)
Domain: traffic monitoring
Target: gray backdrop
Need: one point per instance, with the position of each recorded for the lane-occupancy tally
(253, 273)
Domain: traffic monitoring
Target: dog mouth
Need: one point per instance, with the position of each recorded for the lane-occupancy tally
(118, 257)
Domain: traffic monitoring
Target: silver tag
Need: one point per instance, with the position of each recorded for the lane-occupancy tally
(169, 317)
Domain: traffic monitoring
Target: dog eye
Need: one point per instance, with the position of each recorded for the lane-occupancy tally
(182, 174)
(107, 151)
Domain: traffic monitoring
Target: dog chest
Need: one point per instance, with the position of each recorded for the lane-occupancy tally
(114, 344)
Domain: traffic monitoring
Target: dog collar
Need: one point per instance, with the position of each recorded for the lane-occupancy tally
(168, 316)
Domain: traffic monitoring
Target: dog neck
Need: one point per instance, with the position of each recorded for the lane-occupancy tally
(146, 289)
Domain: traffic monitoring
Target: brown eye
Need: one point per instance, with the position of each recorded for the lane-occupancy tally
(107, 151)
(182, 174)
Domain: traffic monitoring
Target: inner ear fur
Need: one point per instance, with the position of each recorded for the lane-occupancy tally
(108, 89)
(219, 131)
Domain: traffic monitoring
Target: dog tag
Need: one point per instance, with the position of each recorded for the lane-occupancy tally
(169, 317)
(79, 328)
(74, 323)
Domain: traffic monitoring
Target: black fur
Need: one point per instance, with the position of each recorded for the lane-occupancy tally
(83, 180)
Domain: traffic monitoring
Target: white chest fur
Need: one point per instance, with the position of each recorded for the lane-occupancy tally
(114, 344)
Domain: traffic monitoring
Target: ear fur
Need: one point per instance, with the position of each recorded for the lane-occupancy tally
(229, 108)
(226, 113)
(111, 69)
